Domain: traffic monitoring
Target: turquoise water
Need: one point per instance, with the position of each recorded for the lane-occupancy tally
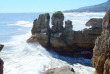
(23, 58)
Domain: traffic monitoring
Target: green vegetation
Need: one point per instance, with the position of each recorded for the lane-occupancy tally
(58, 12)
(46, 14)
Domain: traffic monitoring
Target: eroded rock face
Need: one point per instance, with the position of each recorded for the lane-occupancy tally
(41, 30)
(101, 51)
(1, 62)
(64, 40)
(68, 25)
(62, 70)
(57, 22)
(95, 22)
(41, 25)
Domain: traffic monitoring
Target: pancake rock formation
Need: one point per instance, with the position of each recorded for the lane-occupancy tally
(101, 51)
(1, 62)
(63, 39)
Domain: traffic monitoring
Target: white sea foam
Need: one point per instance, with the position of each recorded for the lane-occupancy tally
(22, 23)
(26, 58)
(79, 19)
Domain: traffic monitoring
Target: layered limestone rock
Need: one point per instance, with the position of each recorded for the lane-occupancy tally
(62, 70)
(101, 51)
(1, 62)
(57, 22)
(41, 30)
(95, 22)
(62, 39)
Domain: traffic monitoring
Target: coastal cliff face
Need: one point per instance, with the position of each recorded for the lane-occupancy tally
(1, 62)
(101, 51)
(64, 40)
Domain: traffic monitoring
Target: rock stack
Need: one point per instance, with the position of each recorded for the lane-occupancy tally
(62, 39)
(1, 62)
(101, 51)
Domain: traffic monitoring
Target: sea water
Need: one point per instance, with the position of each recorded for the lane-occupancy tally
(25, 58)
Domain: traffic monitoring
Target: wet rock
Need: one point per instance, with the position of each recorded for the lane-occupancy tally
(1, 61)
(101, 51)
(62, 70)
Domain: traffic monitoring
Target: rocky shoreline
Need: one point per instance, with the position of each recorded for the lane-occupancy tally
(64, 40)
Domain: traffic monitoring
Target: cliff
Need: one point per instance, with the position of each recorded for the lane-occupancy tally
(103, 7)
(64, 40)
(101, 51)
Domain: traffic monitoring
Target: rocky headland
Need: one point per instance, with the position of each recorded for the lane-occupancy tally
(64, 40)
(101, 51)
(1, 61)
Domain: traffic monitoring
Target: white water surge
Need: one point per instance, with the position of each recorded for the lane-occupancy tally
(26, 58)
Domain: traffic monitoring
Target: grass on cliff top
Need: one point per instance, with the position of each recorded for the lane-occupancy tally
(46, 14)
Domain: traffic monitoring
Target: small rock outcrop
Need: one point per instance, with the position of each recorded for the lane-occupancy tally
(1, 47)
(101, 51)
(95, 23)
(62, 70)
(1, 61)
(63, 39)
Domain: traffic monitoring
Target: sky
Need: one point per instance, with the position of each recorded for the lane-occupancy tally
(28, 6)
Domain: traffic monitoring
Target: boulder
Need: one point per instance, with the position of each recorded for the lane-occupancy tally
(62, 70)
(101, 51)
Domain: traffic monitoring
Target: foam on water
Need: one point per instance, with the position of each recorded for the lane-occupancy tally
(22, 23)
(79, 19)
(26, 58)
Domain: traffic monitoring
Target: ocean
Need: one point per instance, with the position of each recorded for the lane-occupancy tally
(21, 57)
